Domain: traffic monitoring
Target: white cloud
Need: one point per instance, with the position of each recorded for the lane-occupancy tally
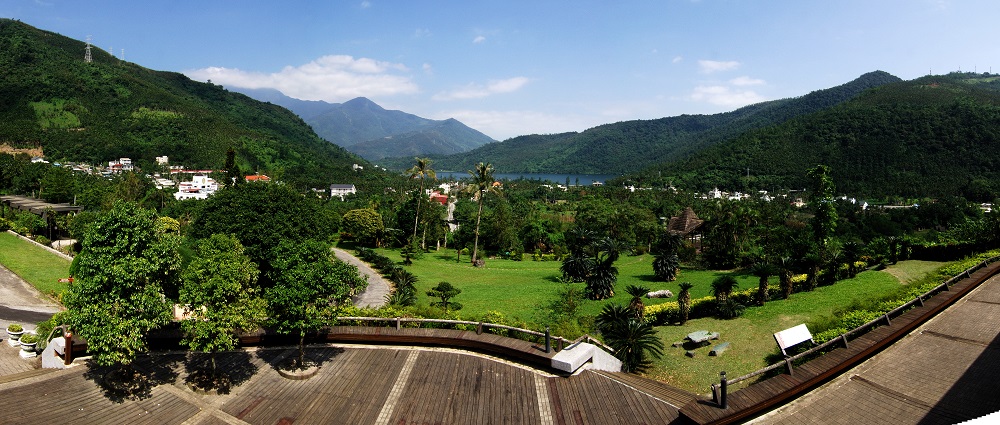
(421, 32)
(678, 59)
(428, 69)
(725, 96)
(333, 78)
(366, 4)
(746, 81)
(478, 39)
(477, 91)
(709, 67)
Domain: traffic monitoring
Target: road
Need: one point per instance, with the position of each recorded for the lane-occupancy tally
(22, 303)
(378, 287)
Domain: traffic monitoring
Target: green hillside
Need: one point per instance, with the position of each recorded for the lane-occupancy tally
(109, 108)
(933, 136)
(630, 146)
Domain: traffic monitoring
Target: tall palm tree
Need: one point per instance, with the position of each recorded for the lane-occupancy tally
(603, 274)
(422, 170)
(722, 287)
(482, 182)
(684, 301)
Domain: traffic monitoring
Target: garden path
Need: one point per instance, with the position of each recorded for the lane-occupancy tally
(378, 287)
(22, 303)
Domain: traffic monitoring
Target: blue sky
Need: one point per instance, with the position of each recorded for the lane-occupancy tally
(514, 67)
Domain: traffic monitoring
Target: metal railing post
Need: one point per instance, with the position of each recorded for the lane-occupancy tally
(397, 323)
(724, 402)
(548, 342)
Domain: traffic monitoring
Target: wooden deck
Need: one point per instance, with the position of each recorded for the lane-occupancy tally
(759, 397)
(355, 385)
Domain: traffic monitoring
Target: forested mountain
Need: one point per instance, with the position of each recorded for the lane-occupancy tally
(365, 128)
(932, 136)
(630, 146)
(108, 108)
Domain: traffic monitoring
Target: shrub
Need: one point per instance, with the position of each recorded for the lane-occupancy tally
(828, 334)
(730, 309)
(856, 318)
(497, 318)
(14, 327)
(29, 338)
(42, 240)
(5, 224)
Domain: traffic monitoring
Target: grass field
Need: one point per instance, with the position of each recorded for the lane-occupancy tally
(35, 265)
(519, 288)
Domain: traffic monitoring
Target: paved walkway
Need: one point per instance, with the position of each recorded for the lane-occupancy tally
(945, 372)
(378, 287)
(22, 303)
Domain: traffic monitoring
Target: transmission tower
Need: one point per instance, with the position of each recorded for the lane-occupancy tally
(86, 56)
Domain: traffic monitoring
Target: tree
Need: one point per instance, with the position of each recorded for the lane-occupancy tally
(636, 305)
(666, 262)
(261, 216)
(763, 271)
(785, 265)
(603, 274)
(219, 287)
(365, 225)
(634, 341)
(422, 170)
(445, 291)
(121, 276)
(310, 283)
(482, 183)
(821, 199)
(722, 288)
(684, 301)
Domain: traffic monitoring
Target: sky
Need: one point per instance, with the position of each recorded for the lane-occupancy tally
(512, 67)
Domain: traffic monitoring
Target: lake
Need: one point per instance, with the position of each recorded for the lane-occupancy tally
(574, 179)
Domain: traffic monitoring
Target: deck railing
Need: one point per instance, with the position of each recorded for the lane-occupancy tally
(481, 327)
(719, 390)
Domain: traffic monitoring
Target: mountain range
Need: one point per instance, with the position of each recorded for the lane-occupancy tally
(106, 109)
(373, 132)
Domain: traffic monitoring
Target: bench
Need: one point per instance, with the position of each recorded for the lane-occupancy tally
(719, 349)
(702, 337)
(792, 336)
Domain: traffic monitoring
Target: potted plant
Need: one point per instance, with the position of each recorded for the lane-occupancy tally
(28, 342)
(14, 330)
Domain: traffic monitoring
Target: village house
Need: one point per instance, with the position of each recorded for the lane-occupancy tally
(342, 190)
(200, 187)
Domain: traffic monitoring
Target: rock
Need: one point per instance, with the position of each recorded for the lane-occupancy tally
(663, 293)
(689, 353)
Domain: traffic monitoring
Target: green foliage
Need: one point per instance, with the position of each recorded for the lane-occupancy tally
(121, 276)
(445, 291)
(309, 285)
(363, 225)
(219, 289)
(634, 341)
(114, 109)
(15, 327)
(262, 216)
(28, 338)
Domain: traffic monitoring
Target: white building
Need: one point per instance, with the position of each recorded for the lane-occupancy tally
(200, 187)
(122, 165)
(162, 160)
(342, 190)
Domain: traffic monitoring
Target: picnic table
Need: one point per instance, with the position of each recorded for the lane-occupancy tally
(702, 337)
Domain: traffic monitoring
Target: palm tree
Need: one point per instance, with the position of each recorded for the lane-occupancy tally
(785, 276)
(576, 266)
(722, 287)
(603, 274)
(665, 266)
(633, 341)
(422, 169)
(684, 301)
(636, 305)
(763, 271)
(482, 182)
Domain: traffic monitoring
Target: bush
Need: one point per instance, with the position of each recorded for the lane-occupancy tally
(496, 318)
(828, 334)
(5, 224)
(14, 327)
(856, 318)
(42, 240)
(730, 309)
(29, 338)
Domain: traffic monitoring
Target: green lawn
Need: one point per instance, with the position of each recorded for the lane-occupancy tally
(35, 265)
(519, 288)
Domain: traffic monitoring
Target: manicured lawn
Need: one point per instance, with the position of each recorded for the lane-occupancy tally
(751, 335)
(519, 288)
(35, 265)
